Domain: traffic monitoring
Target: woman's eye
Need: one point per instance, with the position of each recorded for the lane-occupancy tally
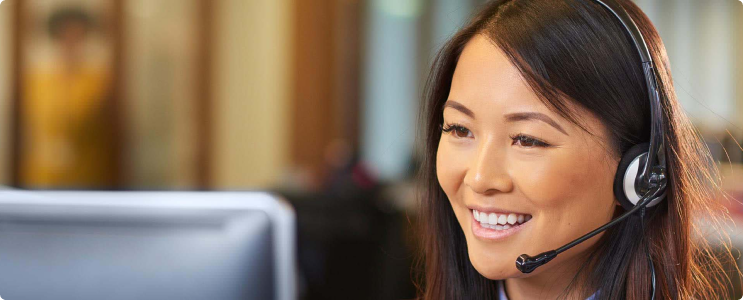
(527, 141)
(457, 130)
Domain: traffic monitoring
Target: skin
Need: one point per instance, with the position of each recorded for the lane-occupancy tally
(566, 187)
(71, 39)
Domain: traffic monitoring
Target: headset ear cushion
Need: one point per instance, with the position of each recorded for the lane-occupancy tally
(624, 192)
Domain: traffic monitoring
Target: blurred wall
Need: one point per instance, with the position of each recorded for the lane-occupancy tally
(5, 89)
(160, 61)
(701, 39)
(251, 93)
(391, 86)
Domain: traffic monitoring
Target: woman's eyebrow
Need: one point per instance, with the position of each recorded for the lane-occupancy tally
(526, 116)
(460, 107)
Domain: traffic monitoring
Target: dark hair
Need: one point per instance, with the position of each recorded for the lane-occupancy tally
(574, 51)
(64, 16)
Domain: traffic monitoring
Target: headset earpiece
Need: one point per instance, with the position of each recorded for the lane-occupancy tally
(625, 187)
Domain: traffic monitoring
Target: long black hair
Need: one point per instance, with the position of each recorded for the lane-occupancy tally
(574, 51)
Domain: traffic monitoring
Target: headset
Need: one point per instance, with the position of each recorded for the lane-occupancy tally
(641, 179)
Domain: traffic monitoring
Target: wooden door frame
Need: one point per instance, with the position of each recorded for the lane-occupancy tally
(17, 56)
(204, 95)
(328, 48)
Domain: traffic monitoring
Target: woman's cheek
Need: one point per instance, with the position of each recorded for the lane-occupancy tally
(550, 179)
(451, 167)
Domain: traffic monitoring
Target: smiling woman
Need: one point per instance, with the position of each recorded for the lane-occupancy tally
(527, 119)
(507, 156)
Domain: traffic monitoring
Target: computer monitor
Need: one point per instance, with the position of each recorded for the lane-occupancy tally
(146, 245)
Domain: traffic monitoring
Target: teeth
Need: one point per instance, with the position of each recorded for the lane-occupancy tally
(512, 219)
(499, 221)
(492, 218)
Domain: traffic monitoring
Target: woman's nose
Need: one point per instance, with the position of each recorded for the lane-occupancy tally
(487, 173)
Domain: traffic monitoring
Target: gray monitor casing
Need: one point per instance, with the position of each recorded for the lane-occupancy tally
(146, 245)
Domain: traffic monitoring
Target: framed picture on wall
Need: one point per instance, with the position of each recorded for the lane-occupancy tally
(94, 108)
(65, 95)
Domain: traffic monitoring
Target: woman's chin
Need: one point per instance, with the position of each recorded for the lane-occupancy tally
(496, 269)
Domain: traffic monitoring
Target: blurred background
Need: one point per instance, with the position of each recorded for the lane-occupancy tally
(316, 100)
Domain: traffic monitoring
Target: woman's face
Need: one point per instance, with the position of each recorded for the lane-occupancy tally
(536, 180)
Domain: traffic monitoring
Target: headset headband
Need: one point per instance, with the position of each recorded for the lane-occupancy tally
(653, 172)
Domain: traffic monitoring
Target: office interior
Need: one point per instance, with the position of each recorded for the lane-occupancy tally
(314, 100)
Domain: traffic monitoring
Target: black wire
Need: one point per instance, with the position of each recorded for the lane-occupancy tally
(647, 251)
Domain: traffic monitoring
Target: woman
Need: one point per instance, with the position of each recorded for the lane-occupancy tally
(529, 109)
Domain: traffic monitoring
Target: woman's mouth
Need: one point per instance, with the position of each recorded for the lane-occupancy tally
(500, 221)
(494, 226)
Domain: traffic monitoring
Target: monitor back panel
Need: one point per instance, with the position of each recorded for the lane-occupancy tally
(99, 252)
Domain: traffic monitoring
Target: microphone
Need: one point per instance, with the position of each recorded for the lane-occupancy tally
(527, 264)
